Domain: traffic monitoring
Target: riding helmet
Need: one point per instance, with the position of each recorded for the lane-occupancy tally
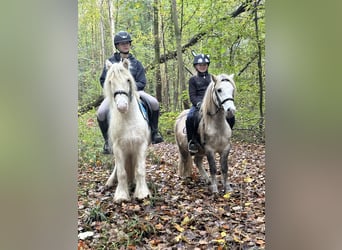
(122, 36)
(201, 58)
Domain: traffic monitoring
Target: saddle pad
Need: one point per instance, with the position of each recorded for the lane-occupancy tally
(143, 110)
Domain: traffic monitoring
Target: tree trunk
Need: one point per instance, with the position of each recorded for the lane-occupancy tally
(102, 52)
(111, 22)
(261, 88)
(157, 51)
(181, 76)
(166, 89)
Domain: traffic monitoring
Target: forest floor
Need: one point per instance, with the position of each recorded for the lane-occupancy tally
(182, 213)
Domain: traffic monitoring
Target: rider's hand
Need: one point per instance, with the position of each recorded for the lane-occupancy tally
(198, 105)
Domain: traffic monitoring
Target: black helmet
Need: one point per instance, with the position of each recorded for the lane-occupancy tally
(201, 58)
(122, 36)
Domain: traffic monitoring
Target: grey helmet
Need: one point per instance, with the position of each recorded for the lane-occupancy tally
(201, 58)
(122, 36)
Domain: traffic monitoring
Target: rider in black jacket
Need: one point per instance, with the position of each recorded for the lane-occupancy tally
(122, 42)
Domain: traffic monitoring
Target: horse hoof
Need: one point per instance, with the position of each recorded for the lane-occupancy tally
(120, 199)
(227, 189)
(141, 196)
(214, 189)
(103, 189)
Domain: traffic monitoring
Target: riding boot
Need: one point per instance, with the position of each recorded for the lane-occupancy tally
(155, 135)
(191, 134)
(231, 121)
(104, 130)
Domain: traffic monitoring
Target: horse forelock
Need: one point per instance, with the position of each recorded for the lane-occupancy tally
(230, 79)
(118, 75)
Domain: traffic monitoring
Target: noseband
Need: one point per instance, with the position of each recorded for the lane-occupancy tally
(121, 92)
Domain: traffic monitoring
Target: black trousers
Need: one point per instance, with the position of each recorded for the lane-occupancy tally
(192, 122)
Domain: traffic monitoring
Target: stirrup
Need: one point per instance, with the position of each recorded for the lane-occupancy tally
(106, 149)
(192, 147)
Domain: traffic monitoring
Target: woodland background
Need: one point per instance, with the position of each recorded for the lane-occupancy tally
(180, 214)
(164, 33)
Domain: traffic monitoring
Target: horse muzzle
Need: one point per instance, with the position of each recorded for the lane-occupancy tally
(122, 105)
(229, 107)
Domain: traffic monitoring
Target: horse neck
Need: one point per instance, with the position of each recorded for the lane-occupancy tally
(211, 111)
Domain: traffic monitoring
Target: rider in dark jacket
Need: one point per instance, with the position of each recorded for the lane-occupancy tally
(136, 69)
(122, 42)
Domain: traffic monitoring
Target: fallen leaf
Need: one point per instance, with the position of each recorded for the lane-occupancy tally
(85, 235)
(227, 195)
(221, 241)
(248, 179)
(185, 221)
(178, 237)
(178, 227)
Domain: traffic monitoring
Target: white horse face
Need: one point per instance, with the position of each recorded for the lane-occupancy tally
(118, 85)
(224, 90)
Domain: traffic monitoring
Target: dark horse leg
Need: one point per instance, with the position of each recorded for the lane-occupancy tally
(224, 169)
(212, 166)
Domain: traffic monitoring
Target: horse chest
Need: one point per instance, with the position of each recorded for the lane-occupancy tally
(216, 133)
(129, 126)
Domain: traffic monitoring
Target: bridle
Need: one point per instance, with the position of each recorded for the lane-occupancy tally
(220, 103)
(123, 92)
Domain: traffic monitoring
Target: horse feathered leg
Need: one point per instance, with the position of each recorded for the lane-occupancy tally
(111, 179)
(141, 189)
(199, 164)
(224, 169)
(121, 192)
(184, 163)
(212, 166)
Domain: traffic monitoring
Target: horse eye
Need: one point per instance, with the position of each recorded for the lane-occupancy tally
(219, 90)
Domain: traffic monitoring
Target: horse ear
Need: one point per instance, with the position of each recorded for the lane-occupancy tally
(232, 76)
(214, 78)
(125, 63)
(108, 64)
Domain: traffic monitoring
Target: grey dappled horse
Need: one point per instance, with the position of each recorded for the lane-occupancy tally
(214, 131)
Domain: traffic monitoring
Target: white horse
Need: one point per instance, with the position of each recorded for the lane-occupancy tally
(214, 131)
(128, 132)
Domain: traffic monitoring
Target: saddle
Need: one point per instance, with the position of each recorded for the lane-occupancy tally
(145, 109)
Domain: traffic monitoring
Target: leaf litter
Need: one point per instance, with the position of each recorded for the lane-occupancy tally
(182, 213)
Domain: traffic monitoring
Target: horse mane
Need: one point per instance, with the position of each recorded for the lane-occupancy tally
(120, 71)
(206, 102)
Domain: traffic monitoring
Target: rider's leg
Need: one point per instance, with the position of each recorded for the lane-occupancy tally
(103, 121)
(154, 119)
(191, 131)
